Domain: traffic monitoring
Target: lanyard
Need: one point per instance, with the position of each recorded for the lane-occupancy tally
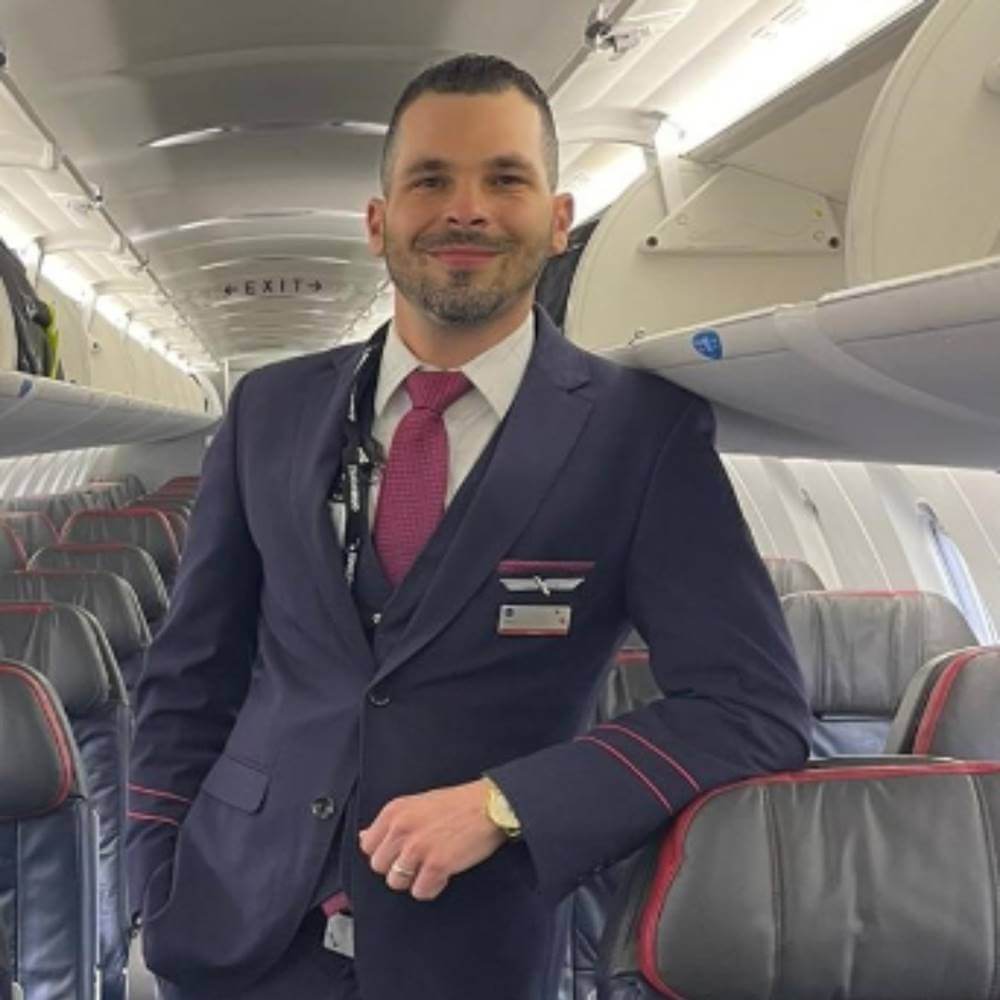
(361, 455)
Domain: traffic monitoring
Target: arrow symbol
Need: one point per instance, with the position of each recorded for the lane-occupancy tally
(316, 286)
(230, 289)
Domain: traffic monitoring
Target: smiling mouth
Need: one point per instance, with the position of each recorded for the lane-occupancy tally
(463, 258)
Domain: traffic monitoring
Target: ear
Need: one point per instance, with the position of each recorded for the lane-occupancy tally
(375, 222)
(562, 222)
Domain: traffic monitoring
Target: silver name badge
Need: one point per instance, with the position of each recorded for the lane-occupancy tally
(534, 619)
(339, 935)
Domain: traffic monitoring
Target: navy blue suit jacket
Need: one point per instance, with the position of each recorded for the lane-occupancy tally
(262, 698)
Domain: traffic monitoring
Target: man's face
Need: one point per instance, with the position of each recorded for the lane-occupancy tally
(468, 220)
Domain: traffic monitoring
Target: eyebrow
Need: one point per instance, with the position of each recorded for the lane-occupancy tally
(432, 164)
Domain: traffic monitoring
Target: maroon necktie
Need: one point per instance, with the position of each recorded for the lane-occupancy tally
(415, 481)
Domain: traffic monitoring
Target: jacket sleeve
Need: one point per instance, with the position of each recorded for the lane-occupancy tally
(733, 703)
(198, 667)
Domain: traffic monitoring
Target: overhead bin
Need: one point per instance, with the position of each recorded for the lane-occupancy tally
(40, 415)
(898, 370)
(926, 187)
(901, 371)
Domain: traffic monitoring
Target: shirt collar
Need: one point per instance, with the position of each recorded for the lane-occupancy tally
(495, 373)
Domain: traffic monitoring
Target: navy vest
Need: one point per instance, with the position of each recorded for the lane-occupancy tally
(385, 614)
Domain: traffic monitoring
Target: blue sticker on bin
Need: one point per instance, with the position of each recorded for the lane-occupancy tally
(25, 388)
(708, 344)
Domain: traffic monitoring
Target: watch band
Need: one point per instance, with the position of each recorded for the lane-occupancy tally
(500, 812)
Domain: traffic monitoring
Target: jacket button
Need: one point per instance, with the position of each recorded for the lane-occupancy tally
(378, 698)
(323, 807)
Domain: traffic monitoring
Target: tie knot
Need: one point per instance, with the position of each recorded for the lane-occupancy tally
(436, 390)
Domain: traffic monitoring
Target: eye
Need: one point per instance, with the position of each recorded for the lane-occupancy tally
(429, 182)
(509, 180)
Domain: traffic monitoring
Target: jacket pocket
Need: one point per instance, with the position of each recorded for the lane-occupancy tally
(240, 785)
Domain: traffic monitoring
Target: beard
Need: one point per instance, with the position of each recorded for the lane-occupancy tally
(465, 298)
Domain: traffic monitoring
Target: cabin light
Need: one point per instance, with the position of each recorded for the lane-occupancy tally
(66, 278)
(593, 190)
(214, 132)
(186, 138)
(795, 42)
(141, 333)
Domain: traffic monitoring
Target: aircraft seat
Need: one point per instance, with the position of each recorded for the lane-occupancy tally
(185, 488)
(33, 527)
(142, 526)
(12, 554)
(131, 563)
(109, 598)
(848, 881)
(858, 650)
(58, 508)
(952, 707)
(60, 642)
(790, 576)
(48, 843)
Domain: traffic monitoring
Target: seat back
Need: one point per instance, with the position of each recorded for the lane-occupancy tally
(847, 882)
(33, 528)
(48, 843)
(60, 642)
(792, 576)
(131, 563)
(106, 596)
(57, 508)
(952, 708)
(149, 529)
(858, 650)
(12, 554)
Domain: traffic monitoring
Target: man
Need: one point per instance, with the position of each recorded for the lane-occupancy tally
(364, 714)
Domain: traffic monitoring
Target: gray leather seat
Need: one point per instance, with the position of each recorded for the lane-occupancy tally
(791, 576)
(852, 883)
(106, 596)
(48, 842)
(33, 528)
(12, 554)
(858, 651)
(147, 528)
(61, 642)
(58, 507)
(131, 563)
(952, 708)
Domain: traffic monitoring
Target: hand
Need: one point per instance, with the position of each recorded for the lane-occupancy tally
(434, 835)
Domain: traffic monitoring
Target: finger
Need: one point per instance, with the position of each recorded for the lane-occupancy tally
(373, 835)
(386, 853)
(430, 882)
(401, 875)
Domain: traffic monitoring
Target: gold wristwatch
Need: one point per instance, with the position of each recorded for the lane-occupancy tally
(500, 812)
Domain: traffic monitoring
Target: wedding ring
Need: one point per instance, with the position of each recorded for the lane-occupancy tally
(398, 869)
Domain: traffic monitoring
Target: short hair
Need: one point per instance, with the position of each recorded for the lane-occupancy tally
(475, 74)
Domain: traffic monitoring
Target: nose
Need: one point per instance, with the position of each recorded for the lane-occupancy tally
(466, 207)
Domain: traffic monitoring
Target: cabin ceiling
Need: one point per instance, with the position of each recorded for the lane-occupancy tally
(282, 200)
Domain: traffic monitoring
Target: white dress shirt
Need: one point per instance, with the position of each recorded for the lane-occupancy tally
(469, 422)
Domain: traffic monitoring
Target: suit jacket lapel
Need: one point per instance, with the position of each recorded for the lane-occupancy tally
(317, 455)
(524, 467)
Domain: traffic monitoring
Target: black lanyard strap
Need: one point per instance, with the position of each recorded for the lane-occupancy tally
(361, 455)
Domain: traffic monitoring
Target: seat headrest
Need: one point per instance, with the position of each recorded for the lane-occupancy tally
(107, 596)
(790, 576)
(849, 882)
(12, 554)
(39, 766)
(142, 526)
(858, 650)
(952, 708)
(33, 527)
(130, 562)
(58, 641)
